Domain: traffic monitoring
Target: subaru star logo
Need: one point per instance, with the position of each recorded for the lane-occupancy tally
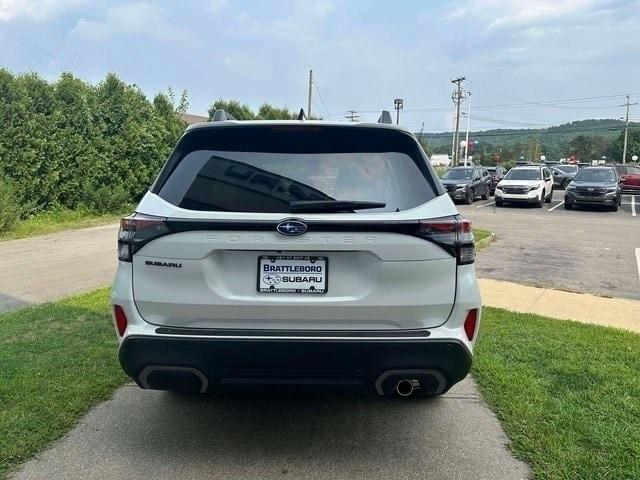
(292, 227)
(271, 279)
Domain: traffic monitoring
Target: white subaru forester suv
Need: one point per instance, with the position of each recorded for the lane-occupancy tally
(296, 253)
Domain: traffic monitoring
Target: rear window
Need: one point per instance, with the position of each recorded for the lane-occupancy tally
(458, 174)
(597, 175)
(523, 174)
(567, 168)
(267, 168)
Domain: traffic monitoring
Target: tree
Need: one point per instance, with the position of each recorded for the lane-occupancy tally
(68, 143)
(269, 112)
(614, 153)
(588, 147)
(240, 111)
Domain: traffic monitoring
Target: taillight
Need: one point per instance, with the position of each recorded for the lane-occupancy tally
(470, 323)
(121, 319)
(137, 230)
(453, 234)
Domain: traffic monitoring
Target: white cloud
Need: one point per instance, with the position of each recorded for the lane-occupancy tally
(38, 10)
(130, 18)
(518, 13)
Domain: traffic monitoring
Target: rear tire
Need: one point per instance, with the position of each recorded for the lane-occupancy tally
(485, 195)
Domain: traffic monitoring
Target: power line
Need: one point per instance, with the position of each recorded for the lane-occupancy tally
(525, 103)
(549, 103)
(499, 121)
(324, 106)
(532, 131)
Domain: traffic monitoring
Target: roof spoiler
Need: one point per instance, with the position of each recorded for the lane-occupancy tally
(385, 117)
(221, 116)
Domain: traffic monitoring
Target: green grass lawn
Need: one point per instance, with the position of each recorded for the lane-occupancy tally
(480, 235)
(568, 394)
(55, 221)
(56, 361)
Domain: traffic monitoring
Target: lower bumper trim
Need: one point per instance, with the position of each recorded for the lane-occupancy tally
(201, 365)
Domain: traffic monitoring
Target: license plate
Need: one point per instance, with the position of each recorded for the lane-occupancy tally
(292, 274)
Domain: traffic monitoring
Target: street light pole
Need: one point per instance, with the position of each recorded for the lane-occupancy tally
(398, 104)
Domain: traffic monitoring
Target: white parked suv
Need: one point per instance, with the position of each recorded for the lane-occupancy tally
(525, 184)
(296, 253)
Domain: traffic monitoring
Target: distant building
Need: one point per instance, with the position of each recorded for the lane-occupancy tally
(191, 119)
(440, 160)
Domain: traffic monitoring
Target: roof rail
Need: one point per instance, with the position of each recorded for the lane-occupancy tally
(221, 116)
(301, 115)
(385, 117)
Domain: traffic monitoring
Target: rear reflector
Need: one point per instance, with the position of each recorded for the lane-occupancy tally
(121, 319)
(470, 323)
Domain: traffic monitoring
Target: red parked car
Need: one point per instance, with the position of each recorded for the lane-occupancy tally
(630, 176)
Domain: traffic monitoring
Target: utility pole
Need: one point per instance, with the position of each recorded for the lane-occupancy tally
(309, 101)
(352, 116)
(626, 127)
(398, 104)
(457, 98)
(466, 141)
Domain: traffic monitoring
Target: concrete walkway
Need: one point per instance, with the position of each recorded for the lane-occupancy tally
(581, 307)
(48, 267)
(141, 434)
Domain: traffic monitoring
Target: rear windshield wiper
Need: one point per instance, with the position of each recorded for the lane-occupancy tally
(338, 206)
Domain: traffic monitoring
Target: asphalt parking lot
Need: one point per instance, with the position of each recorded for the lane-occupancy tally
(584, 250)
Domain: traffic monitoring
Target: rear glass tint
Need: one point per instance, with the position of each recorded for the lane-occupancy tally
(265, 175)
(523, 174)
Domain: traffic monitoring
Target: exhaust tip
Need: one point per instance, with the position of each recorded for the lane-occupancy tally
(175, 379)
(404, 383)
(405, 387)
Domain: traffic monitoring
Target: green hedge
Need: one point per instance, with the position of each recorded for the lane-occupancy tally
(70, 144)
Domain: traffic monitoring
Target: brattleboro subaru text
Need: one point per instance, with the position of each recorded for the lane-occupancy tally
(296, 253)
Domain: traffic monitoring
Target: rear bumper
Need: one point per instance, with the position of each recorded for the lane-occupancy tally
(218, 364)
(631, 189)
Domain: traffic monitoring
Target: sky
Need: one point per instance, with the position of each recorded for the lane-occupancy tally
(527, 63)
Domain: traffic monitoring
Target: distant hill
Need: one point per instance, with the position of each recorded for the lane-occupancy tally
(508, 136)
(552, 141)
